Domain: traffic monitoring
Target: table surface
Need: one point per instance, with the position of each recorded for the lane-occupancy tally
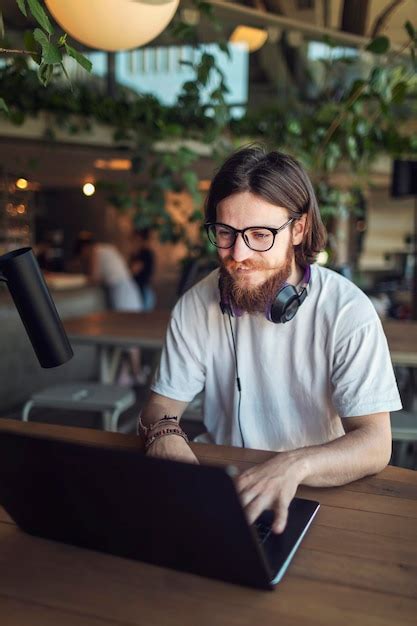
(356, 565)
(148, 330)
(119, 328)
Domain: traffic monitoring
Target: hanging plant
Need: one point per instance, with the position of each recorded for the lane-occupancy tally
(45, 47)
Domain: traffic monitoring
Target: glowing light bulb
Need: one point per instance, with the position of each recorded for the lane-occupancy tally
(21, 183)
(88, 189)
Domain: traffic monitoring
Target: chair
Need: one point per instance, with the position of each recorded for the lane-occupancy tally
(110, 400)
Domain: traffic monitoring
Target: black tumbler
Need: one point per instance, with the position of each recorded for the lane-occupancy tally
(27, 286)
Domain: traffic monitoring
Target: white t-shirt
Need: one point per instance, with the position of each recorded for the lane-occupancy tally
(112, 271)
(111, 267)
(298, 379)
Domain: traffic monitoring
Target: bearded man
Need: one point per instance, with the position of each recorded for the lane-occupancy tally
(293, 360)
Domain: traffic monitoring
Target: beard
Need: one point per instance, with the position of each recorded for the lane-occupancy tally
(256, 299)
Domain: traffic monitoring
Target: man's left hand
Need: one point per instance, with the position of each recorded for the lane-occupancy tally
(271, 485)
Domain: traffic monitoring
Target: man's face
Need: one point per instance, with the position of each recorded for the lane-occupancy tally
(250, 269)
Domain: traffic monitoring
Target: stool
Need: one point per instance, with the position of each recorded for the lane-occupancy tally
(404, 429)
(111, 400)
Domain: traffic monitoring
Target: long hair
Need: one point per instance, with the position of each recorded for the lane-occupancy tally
(280, 180)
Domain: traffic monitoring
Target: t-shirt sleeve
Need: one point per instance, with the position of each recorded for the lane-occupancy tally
(181, 373)
(363, 379)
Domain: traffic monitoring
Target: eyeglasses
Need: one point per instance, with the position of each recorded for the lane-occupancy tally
(257, 238)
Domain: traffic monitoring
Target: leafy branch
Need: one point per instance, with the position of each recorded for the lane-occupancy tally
(380, 46)
(45, 47)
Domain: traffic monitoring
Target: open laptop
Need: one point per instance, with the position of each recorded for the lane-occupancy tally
(172, 514)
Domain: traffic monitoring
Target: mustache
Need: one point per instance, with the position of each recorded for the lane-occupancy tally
(231, 265)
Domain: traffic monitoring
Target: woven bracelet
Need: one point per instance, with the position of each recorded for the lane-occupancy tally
(144, 431)
(164, 432)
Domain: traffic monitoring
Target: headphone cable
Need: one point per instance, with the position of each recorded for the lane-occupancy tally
(239, 388)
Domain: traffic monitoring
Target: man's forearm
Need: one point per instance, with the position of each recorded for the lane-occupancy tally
(364, 449)
(158, 406)
(360, 452)
(163, 438)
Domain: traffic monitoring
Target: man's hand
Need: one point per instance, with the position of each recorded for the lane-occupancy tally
(271, 485)
(172, 447)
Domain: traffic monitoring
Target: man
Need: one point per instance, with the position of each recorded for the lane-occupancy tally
(317, 388)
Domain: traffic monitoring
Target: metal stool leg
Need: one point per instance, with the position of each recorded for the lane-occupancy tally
(26, 410)
(114, 419)
(110, 419)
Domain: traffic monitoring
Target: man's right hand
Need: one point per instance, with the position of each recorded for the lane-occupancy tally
(172, 447)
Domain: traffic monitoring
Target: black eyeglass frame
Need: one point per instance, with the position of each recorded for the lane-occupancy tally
(236, 232)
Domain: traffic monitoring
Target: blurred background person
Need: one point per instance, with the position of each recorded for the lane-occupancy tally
(104, 265)
(142, 265)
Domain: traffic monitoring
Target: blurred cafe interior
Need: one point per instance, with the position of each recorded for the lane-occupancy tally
(113, 137)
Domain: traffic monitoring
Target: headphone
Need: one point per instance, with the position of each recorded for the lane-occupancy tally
(283, 306)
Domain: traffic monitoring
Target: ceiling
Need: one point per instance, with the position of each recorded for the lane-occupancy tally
(62, 165)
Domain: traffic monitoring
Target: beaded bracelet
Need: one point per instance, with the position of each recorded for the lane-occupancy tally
(144, 431)
(162, 433)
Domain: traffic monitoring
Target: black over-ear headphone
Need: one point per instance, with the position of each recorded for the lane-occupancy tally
(283, 306)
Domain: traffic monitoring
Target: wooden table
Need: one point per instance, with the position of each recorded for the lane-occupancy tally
(114, 331)
(356, 565)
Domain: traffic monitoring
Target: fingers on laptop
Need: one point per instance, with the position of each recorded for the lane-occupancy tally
(259, 494)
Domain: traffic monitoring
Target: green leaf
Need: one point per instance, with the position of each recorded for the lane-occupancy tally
(399, 92)
(224, 47)
(66, 74)
(380, 45)
(45, 73)
(352, 147)
(32, 45)
(410, 30)
(379, 78)
(413, 58)
(3, 106)
(22, 6)
(40, 16)
(190, 179)
(203, 74)
(50, 53)
(80, 58)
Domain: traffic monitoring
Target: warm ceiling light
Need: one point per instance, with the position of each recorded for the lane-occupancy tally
(253, 38)
(22, 183)
(88, 189)
(113, 164)
(21, 209)
(113, 24)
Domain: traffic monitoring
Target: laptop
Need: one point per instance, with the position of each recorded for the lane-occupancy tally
(116, 500)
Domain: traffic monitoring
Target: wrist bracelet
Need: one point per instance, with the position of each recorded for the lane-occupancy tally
(144, 431)
(164, 432)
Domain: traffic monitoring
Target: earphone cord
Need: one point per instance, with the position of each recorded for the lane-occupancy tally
(237, 381)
